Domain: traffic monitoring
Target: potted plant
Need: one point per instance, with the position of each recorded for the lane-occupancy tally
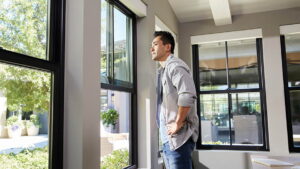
(33, 125)
(14, 126)
(109, 119)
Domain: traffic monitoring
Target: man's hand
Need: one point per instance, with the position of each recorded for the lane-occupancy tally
(173, 128)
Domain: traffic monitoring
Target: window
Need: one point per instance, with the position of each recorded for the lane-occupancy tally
(31, 83)
(231, 102)
(118, 140)
(116, 47)
(290, 44)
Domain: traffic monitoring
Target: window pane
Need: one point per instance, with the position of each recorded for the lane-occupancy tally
(214, 119)
(122, 49)
(212, 66)
(242, 64)
(247, 119)
(106, 43)
(24, 111)
(23, 27)
(114, 134)
(293, 59)
(295, 114)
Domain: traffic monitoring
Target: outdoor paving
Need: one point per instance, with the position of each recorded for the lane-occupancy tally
(15, 145)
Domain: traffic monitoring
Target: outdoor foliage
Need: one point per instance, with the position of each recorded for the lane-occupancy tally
(23, 29)
(27, 159)
(14, 122)
(34, 121)
(116, 160)
(109, 117)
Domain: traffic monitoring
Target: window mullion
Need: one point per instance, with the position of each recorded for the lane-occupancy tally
(227, 69)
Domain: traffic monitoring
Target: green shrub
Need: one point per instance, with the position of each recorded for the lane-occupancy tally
(109, 117)
(26, 159)
(34, 120)
(116, 160)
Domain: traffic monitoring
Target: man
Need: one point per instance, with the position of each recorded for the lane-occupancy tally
(176, 116)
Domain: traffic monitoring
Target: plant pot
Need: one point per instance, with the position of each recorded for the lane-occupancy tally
(14, 131)
(111, 128)
(32, 131)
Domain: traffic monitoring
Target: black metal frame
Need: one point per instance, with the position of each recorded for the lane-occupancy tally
(287, 90)
(55, 65)
(261, 90)
(133, 139)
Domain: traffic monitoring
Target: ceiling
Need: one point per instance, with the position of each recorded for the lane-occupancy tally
(222, 10)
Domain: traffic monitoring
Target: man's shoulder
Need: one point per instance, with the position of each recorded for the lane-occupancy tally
(176, 63)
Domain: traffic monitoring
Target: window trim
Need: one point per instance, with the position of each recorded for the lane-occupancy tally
(55, 65)
(287, 90)
(133, 139)
(261, 90)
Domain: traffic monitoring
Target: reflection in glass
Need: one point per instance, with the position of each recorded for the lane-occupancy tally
(242, 64)
(246, 118)
(214, 119)
(122, 49)
(212, 66)
(23, 27)
(114, 134)
(295, 114)
(292, 43)
(24, 110)
(105, 41)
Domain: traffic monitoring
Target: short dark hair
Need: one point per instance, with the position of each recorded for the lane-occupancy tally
(166, 38)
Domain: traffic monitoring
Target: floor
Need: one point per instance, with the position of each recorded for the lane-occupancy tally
(15, 145)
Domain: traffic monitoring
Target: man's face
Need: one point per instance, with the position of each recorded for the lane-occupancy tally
(159, 51)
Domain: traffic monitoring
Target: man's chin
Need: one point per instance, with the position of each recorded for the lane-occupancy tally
(154, 58)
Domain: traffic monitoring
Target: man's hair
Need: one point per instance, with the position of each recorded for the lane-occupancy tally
(166, 38)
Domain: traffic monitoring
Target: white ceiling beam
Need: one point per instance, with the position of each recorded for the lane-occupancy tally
(221, 12)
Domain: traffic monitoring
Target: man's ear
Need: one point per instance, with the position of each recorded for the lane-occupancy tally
(168, 46)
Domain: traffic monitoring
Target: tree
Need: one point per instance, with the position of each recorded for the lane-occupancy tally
(23, 29)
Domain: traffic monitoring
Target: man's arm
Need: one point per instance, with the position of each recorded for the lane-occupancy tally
(184, 84)
(180, 120)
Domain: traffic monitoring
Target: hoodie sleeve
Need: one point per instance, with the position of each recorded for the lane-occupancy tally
(184, 83)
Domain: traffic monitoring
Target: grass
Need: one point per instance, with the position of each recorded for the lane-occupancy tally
(26, 159)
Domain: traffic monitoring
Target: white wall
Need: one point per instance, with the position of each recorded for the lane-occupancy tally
(82, 89)
(269, 22)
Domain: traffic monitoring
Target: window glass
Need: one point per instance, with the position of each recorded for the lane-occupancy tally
(25, 101)
(293, 59)
(116, 46)
(214, 119)
(104, 41)
(122, 49)
(114, 133)
(212, 66)
(23, 27)
(242, 62)
(295, 115)
(246, 118)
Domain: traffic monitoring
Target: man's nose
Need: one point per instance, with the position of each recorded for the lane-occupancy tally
(151, 49)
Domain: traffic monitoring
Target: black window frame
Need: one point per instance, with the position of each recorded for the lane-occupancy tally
(55, 65)
(287, 90)
(133, 151)
(261, 90)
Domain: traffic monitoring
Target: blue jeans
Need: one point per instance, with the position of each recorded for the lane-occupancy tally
(180, 158)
